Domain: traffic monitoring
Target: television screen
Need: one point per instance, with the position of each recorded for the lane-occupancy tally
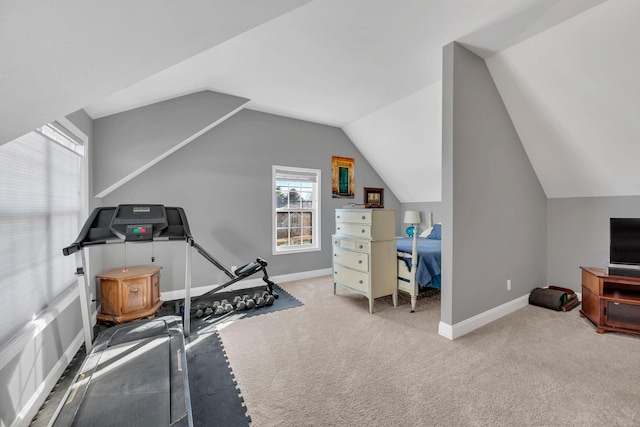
(624, 247)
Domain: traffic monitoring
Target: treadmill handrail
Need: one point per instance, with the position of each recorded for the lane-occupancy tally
(84, 232)
(81, 240)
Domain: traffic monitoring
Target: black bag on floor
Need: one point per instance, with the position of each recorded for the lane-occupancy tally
(548, 298)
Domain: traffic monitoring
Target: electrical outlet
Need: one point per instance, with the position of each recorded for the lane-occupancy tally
(508, 284)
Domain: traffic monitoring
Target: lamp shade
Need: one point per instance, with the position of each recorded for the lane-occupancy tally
(412, 217)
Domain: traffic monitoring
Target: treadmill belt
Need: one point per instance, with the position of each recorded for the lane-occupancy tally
(136, 375)
(118, 395)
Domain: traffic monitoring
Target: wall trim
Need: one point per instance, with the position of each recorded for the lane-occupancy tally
(462, 328)
(248, 283)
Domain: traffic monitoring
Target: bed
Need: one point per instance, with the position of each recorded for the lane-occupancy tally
(419, 261)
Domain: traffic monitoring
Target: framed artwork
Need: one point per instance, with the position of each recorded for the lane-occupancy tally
(373, 197)
(342, 177)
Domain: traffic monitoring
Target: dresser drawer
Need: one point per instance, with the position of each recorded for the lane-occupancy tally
(355, 260)
(351, 244)
(356, 230)
(357, 217)
(354, 279)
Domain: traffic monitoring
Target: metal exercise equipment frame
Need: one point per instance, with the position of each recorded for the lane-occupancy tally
(147, 223)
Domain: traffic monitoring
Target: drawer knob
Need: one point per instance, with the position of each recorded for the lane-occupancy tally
(338, 216)
(359, 261)
(338, 228)
(134, 290)
(362, 231)
(335, 254)
(360, 246)
(363, 217)
(360, 281)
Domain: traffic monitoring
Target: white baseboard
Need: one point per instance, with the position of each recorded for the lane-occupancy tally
(462, 328)
(248, 283)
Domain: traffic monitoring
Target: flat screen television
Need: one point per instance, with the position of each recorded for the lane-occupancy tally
(624, 242)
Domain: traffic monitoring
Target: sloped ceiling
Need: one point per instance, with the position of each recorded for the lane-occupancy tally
(573, 93)
(370, 67)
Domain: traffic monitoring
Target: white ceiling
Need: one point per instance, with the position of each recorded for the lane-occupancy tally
(564, 67)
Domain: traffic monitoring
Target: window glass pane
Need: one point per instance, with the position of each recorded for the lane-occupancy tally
(307, 235)
(307, 219)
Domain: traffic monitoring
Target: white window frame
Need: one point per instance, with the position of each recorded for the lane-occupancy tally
(290, 172)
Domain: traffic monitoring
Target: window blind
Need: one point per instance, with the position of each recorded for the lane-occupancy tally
(40, 185)
(294, 174)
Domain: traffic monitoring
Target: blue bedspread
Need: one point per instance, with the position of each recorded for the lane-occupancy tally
(429, 260)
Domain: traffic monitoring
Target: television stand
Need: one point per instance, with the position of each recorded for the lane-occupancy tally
(610, 302)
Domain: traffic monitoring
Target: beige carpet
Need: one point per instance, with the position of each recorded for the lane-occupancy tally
(331, 363)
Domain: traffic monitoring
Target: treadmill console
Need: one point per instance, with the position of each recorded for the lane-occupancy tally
(138, 223)
(139, 232)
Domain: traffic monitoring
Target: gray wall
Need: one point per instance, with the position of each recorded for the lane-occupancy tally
(492, 198)
(223, 181)
(131, 139)
(578, 234)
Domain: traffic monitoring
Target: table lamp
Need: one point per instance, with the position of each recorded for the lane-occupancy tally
(413, 218)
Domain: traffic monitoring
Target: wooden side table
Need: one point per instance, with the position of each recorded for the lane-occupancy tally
(129, 294)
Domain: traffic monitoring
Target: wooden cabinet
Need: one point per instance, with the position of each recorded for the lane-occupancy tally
(129, 294)
(611, 303)
(364, 253)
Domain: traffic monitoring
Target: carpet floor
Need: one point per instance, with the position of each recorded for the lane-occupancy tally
(331, 363)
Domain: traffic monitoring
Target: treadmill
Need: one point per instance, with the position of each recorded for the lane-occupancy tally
(136, 373)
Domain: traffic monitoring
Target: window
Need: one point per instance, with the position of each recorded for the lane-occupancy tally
(296, 209)
(41, 194)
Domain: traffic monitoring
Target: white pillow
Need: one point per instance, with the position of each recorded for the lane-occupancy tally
(426, 232)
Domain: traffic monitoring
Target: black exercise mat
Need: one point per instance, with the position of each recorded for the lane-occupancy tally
(285, 300)
(215, 398)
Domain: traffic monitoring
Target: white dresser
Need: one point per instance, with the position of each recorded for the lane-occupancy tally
(364, 253)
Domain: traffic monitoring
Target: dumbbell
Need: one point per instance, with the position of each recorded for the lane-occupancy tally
(268, 298)
(199, 311)
(241, 305)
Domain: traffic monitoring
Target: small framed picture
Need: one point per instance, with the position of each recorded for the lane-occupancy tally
(373, 197)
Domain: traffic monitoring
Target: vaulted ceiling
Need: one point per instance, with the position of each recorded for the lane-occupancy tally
(566, 70)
